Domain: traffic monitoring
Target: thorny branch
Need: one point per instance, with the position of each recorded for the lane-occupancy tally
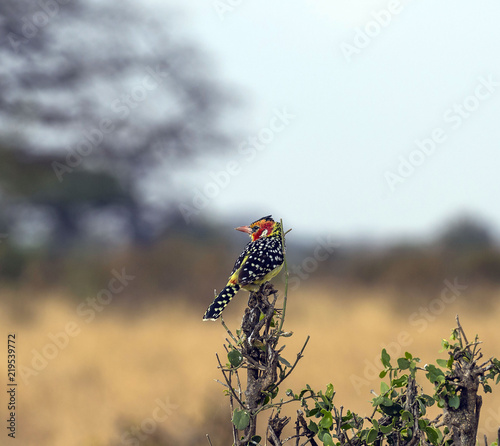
(257, 341)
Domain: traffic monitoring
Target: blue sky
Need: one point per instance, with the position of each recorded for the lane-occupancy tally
(370, 119)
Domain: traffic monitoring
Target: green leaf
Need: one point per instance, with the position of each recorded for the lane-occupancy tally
(432, 434)
(284, 362)
(386, 402)
(429, 401)
(347, 417)
(407, 416)
(305, 390)
(256, 439)
(383, 387)
(327, 404)
(329, 391)
(386, 359)
(391, 410)
(372, 435)
(403, 363)
(327, 420)
(442, 362)
(241, 419)
(362, 434)
(422, 407)
(422, 424)
(382, 374)
(406, 433)
(314, 411)
(400, 382)
(327, 440)
(313, 427)
(434, 375)
(387, 429)
(408, 356)
(375, 424)
(235, 357)
(454, 401)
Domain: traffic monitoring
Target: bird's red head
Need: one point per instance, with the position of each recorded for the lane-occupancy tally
(259, 228)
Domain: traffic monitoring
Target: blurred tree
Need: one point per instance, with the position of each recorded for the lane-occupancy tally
(466, 233)
(29, 182)
(100, 103)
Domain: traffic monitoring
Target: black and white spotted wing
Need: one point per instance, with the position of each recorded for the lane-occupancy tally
(240, 259)
(264, 256)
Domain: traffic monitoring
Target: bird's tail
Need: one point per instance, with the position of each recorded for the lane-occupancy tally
(220, 302)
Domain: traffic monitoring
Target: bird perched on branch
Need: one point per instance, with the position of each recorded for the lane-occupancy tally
(260, 261)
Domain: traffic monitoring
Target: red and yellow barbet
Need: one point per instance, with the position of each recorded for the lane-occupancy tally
(260, 261)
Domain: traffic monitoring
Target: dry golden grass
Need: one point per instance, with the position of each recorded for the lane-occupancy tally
(109, 377)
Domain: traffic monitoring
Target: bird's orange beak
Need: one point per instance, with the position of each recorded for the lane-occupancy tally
(244, 229)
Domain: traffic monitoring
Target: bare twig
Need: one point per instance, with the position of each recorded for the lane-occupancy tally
(228, 381)
(280, 404)
(285, 296)
(239, 383)
(339, 422)
(228, 331)
(221, 383)
(461, 332)
(297, 428)
(485, 367)
(299, 357)
(435, 420)
(254, 364)
(274, 438)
